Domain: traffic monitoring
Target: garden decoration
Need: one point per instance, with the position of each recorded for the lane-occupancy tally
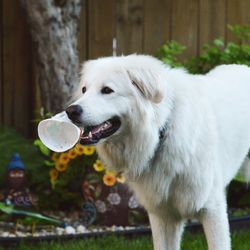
(17, 192)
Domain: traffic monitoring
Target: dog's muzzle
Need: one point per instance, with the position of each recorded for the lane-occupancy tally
(92, 133)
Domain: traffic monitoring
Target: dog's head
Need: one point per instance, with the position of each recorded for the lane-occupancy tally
(114, 89)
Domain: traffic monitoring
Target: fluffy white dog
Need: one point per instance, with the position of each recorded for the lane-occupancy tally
(179, 138)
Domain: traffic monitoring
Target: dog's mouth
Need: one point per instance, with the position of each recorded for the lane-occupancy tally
(93, 134)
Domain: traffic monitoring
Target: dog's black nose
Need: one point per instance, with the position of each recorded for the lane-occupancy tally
(74, 112)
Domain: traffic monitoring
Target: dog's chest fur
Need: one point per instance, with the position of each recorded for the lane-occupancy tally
(168, 183)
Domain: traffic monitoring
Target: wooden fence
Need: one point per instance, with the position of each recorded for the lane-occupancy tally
(139, 26)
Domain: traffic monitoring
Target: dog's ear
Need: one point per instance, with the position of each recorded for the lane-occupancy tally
(147, 83)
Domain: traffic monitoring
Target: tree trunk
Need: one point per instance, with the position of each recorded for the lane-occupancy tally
(54, 30)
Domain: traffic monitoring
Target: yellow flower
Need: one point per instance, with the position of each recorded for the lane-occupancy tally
(110, 172)
(88, 150)
(121, 178)
(72, 153)
(109, 180)
(79, 149)
(55, 156)
(98, 166)
(53, 173)
(61, 166)
(64, 158)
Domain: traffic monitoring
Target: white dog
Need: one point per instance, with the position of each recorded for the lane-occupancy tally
(179, 138)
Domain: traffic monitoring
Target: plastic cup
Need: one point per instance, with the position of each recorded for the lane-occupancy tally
(59, 133)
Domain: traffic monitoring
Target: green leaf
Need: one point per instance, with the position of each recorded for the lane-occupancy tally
(219, 42)
(8, 209)
(44, 150)
(93, 178)
(49, 163)
(240, 178)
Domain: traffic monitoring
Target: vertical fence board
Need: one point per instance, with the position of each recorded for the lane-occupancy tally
(156, 24)
(82, 37)
(8, 40)
(237, 13)
(1, 62)
(17, 68)
(211, 20)
(129, 28)
(100, 27)
(185, 25)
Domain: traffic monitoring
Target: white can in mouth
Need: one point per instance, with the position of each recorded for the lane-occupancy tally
(58, 133)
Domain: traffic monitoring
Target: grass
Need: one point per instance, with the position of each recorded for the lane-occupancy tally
(240, 241)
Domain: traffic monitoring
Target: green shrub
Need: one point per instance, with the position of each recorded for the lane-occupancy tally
(211, 55)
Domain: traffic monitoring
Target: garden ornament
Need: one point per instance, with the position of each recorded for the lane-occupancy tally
(17, 191)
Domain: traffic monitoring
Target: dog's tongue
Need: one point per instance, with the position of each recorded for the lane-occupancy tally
(94, 134)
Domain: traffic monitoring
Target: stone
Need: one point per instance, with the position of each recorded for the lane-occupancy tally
(69, 230)
(81, 229)
(60, 230)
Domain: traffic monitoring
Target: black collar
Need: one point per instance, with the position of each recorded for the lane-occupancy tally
(162, 132)
(162, 137)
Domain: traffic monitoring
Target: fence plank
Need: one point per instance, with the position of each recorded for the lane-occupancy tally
(211, 20)
(157, 16)
(17, 68)
(184, 26)
(1, 62)
(237, 13)
(101, 27)
(8, 90)
(129, 29)
(82, 37)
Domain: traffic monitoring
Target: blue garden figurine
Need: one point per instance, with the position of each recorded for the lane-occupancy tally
(17, 192)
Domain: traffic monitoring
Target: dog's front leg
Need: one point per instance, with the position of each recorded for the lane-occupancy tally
(166, 232)
(215, 223)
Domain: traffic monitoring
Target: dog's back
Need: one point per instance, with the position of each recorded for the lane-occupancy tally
(228, 87)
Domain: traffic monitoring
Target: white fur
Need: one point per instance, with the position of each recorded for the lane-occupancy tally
(206, 140)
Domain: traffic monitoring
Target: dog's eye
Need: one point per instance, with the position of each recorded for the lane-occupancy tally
(107, 90)
(83, 90)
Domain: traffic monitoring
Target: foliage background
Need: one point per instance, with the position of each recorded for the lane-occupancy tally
(211, 55)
